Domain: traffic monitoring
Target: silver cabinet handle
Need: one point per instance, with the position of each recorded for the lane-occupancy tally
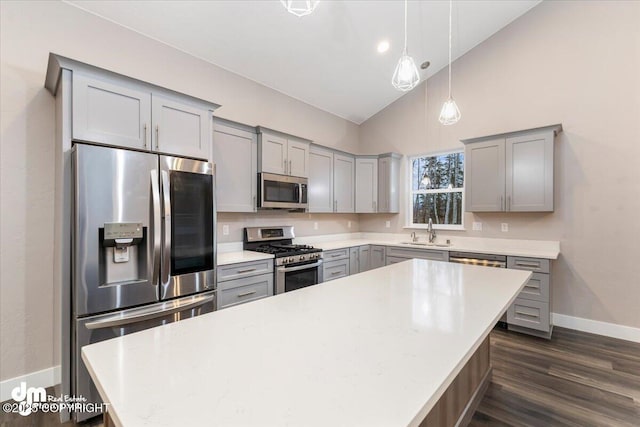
(527, 264)
(284, 165)
(245, 294)
(136, 315)
(335, 273)
(145, 135)
(289, 167)
(532, 316)
(254, 204)
(248, 270)
(157, 137)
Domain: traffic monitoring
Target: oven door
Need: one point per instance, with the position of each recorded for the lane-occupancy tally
(188, 227)
(292, 277)
(281, 192)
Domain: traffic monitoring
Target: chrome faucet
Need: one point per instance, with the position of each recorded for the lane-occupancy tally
(431, 232)
(414, 238)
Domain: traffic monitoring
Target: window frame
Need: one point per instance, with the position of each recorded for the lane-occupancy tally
(411, 193)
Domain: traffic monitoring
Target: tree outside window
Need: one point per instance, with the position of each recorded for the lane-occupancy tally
(437, 190)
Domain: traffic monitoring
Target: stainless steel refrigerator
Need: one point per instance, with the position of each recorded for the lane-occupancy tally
(143, 240)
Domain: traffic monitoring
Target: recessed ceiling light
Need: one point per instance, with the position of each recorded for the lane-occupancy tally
(383, 46)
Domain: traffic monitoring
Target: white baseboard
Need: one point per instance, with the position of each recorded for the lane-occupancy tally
(612, 330)
(44, 378)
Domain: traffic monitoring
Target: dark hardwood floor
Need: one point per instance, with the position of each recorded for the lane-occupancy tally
(574, 379)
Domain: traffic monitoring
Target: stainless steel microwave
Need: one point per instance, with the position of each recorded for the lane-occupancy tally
(282, 192)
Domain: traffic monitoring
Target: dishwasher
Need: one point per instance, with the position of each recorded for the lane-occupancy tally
(486, 260)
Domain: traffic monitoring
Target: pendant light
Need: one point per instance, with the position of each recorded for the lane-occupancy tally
(450, 113)
(300, 7)
(406, 76)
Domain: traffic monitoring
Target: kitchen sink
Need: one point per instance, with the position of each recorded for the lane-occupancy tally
(438, 245)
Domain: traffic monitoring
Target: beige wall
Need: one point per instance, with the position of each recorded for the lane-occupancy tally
(29, 336)
(575, 63)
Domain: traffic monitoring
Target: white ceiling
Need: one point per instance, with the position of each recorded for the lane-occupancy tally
(327, 59)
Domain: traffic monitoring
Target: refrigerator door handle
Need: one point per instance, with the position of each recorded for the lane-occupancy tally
(166, 250)
(157, 227)
(137, 315)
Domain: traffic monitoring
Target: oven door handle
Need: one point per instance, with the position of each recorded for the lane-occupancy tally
(300, 267)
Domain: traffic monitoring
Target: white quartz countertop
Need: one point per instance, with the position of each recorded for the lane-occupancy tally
(225, 258)
(377, 349)
(525, 248)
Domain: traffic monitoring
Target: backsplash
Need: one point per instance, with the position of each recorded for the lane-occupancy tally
(304, 223)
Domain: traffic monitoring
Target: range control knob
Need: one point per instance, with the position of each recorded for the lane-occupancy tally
(290, 259)
(301, 257)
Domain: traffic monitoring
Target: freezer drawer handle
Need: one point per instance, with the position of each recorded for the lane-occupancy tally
(141, 315)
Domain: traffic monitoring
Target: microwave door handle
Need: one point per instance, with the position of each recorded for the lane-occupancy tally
(166, 250)
(298, 193)
(156, 227)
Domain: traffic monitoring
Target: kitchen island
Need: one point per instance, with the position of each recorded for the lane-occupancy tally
(384, 347)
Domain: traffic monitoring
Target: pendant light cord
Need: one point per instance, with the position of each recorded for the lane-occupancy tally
(405, 26)
(450, 9)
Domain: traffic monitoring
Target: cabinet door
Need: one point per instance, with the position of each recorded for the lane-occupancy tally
(343, 183)
(366, 185)
(364, 258)
(529, 172)
(272, 153)
(485, 176)
(298, 158)
(180, 128)
(110, 113)
(320, 180)
(235, 154)
(388, 184)
(354, 261)
(377, 256)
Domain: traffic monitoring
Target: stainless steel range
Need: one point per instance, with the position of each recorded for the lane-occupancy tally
(296, 266)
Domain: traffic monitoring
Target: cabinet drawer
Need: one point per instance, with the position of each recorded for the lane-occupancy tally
(244, 269)
(538, 265)
(237, 291)
(335, 270)
(537, 288)
(395, 259)
(335, 255)
(418, 253)
(529, 314)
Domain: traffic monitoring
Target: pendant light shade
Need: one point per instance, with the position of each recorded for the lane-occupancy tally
(300, 7)
(406, 76)
(450, 112)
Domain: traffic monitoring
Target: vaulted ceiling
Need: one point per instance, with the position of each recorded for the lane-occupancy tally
(328, 59)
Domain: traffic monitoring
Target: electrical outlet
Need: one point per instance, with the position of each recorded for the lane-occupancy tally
(477, 226)
(505, 227)
(315, 225)
(387, 224)
(348, 224)
(225, 230)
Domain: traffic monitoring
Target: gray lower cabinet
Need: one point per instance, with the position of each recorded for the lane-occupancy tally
(377, 256)
(530, 313)
(359, 259)
(336, 264)
(244, 282)
(395, 254)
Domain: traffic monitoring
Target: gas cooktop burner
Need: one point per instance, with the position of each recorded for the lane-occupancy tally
(282, 250)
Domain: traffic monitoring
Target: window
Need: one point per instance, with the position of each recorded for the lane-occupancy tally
(437, 190)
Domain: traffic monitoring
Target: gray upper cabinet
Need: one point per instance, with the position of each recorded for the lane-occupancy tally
(235, 153)
(111, 113)
(366, 184)
(180, 128)
(122, 112)
(320, 180)
(282, 154)
(343, 183)
(388, 183)
(485, 172)
(510, 172)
